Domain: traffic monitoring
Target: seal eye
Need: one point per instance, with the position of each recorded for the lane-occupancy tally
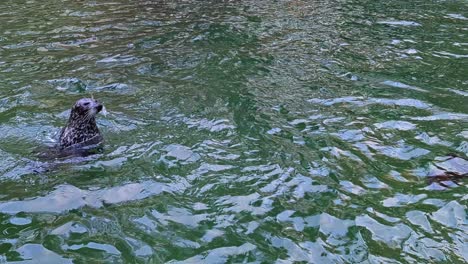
(86, 104)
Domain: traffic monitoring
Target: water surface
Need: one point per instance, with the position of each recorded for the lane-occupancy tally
(238, 131)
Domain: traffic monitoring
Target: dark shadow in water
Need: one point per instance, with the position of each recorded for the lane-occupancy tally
(446, 175)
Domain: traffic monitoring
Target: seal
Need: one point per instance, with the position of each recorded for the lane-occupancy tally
(81, 129)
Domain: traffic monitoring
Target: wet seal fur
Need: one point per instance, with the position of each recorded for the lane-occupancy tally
(79, 138)
(81, 130)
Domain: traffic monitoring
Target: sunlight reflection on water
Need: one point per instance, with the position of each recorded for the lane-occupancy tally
(254, 131)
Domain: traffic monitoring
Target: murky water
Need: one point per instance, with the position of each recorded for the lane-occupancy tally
(238, 131)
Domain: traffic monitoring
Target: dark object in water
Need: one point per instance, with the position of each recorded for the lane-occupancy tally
(80, 137)
(454, 177)
(81, 129)
(450, 174)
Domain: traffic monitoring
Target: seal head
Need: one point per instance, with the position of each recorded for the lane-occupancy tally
(81, 129)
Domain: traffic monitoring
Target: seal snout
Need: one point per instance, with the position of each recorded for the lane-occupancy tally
(87, 107)
(98, 106)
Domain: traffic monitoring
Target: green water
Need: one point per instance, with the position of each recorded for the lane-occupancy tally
(237, 131)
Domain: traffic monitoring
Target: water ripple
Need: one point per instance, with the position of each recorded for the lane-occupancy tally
(236, 131)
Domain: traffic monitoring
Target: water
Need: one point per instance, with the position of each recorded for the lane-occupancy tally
(237, 131)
